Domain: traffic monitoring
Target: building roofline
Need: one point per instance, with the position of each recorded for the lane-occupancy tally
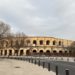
(42, 37)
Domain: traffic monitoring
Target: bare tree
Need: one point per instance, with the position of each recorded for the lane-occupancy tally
(71, 48)
(21, 38)
(4, 29)
(22, 41)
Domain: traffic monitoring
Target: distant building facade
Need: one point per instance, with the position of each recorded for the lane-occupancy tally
(33, 46)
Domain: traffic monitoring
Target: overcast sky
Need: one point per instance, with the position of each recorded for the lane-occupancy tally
(55, 18)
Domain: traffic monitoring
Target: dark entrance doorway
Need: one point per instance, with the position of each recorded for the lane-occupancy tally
(41, 52)
(54, 52)
(60, 53)
(47, 52)
(10, 52)
(65, 53)
(5, 52)
(27, 52)
(21, 52)
(1, 52)
(16, 52)
(34, 52)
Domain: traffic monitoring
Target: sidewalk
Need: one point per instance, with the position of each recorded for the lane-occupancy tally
(17, 67)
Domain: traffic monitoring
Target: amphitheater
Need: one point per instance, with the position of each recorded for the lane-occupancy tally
(20, 46)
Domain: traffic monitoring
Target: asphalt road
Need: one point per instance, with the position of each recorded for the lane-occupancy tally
(62, 66)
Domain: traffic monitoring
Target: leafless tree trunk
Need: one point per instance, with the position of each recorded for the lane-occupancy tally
(4, 29)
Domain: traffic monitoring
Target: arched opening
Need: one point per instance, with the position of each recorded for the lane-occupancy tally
(41, 42)
(41, 52)
(16, 52)
(47, 42)
(60, 53)
(48, 52)
(5, 52)
(10, 52)
(34, 42)
(21, 52)
(54, 42)
(27, 52)
(65, 53)
(54, 52)
(70, 53)
(59, 43)
(34, 52)
(1, 52)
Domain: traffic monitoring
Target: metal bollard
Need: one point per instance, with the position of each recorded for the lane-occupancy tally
(67, 72)
(39, 63)
(25, 59)
(35, 61)
(20, 58)
(43, 64)
(32, 60)
(56, 70)
(29, 60)
(48, 66)
(74, 59)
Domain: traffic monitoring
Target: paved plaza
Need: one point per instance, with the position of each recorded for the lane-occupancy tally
(17, 67)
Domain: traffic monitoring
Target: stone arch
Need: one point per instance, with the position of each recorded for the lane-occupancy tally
(60, 52)
(5, 52)
(54, 52)
(34, 52)
(10, 52)
(47, 42)
(1, 52)
(21, 52)
(16, 52)
(70, 53)
(60, 43)
(34, 42)
(65, 52)
(41, 52)
(47, 52)
(27, 52)
(41, 42)
(54, 42)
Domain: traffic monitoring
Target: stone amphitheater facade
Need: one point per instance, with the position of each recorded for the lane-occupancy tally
(33, 45)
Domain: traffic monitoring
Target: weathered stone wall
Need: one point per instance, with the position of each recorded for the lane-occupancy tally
(33, 45)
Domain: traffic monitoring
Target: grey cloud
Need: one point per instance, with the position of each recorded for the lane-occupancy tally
(40, 17)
